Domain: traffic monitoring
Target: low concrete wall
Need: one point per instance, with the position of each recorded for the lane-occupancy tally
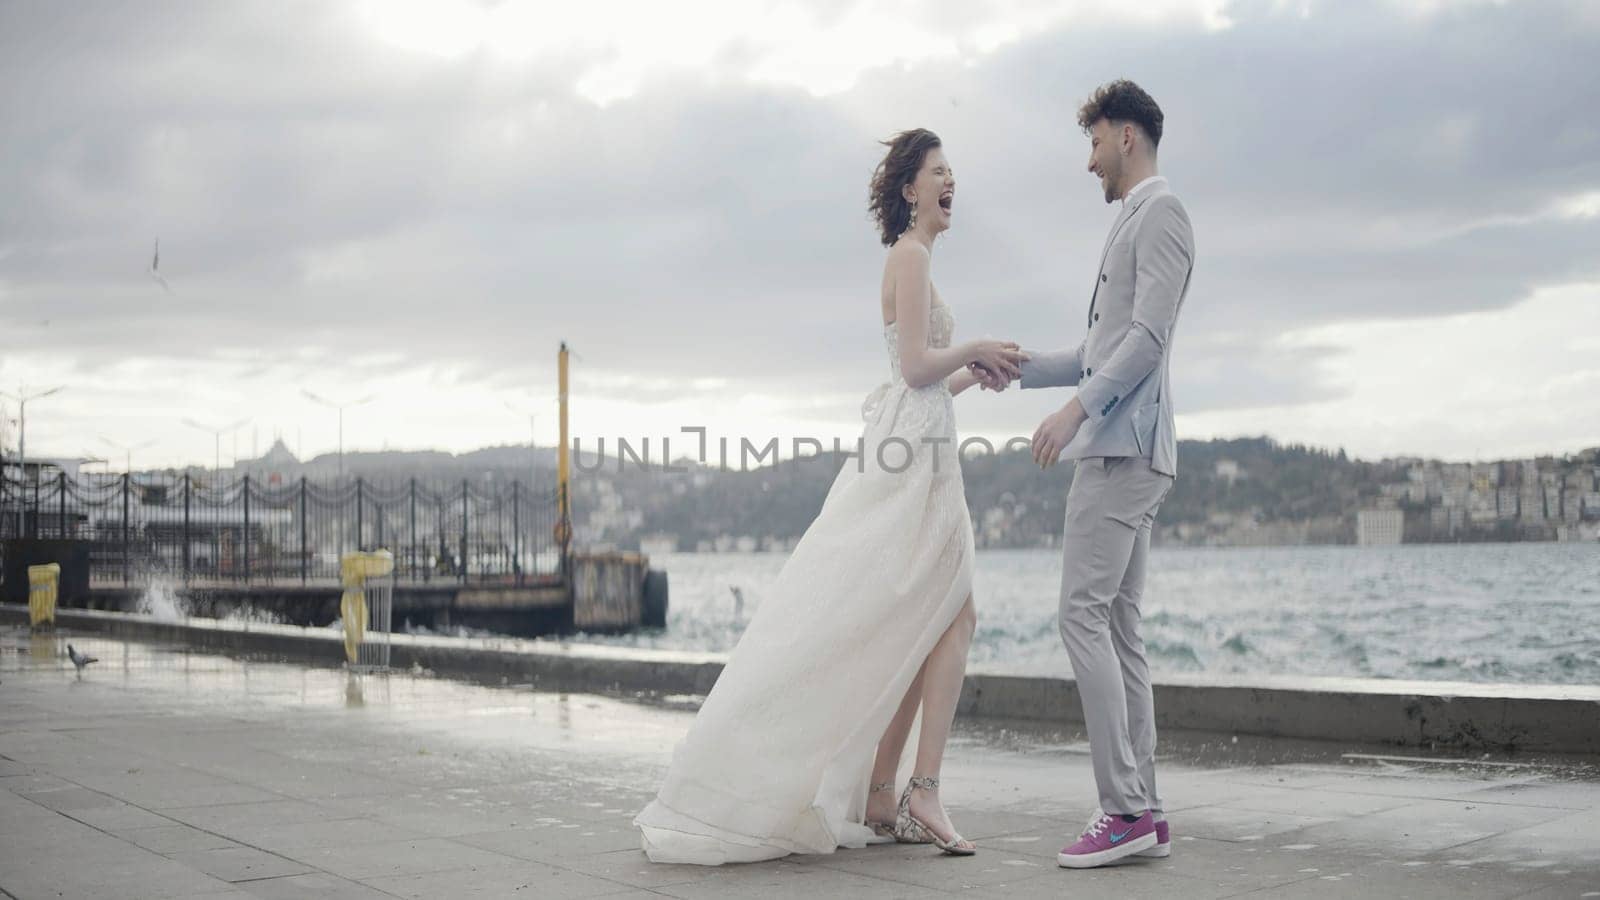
(1461, 715)
(1539, 718)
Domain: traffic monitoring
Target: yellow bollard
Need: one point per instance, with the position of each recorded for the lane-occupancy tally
(43, 585)
(354, 570)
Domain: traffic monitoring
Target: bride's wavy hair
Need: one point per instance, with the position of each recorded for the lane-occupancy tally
(885, 199)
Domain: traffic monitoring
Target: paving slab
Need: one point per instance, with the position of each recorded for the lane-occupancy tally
(239, 863)
(176, 773)
(169, 839)
(504, 879)
(320, 885)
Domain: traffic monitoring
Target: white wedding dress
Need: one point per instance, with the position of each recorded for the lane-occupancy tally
(778, 758)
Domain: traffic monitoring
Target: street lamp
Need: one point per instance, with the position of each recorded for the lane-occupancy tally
(216, 433)
(533, 444)
(22, 397)
(533, 456)
(128, 450)
(89, 459)
(341, 408)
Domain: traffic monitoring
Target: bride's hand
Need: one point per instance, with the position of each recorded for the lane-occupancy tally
(1002, 358)
(988, 380)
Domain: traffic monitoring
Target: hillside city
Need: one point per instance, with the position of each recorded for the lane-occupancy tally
(1228, 493)
(1240, 492)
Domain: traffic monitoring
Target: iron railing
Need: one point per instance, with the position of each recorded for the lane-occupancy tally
(246, 530)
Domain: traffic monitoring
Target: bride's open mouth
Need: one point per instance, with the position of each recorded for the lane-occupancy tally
(945, 200)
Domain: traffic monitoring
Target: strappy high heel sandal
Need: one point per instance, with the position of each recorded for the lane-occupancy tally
(900, 834)
(882, 832)
(911, 830)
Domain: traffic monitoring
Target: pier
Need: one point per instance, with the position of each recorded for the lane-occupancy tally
(484, 554)
(507, 592)
(489, 557)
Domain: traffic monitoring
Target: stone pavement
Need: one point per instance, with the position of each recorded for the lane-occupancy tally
(166, 773)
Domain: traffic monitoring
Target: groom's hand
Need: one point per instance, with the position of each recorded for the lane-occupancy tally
(988, 380)
(1056, 432)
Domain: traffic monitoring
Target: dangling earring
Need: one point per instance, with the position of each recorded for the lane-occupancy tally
(913, 222)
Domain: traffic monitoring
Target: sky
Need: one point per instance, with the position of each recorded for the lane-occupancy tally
(1396, 207)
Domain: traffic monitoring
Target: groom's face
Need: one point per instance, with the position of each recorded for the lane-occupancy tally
(1105, 157)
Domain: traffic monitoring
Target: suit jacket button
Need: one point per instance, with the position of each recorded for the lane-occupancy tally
(1088, 372)
(1097, 317)
(1102, 277)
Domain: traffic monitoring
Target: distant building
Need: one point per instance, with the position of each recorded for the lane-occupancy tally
(1530, 503)
(1481, 506)
(1380, 527)
(1228, 470)
(1506, 502)
(1572, 504)
(1583, 533)
(1552, 501)
(1409, 491)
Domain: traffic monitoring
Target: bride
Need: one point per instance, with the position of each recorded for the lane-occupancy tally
(870, 619)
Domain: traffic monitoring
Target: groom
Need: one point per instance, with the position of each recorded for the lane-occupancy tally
(1119, 429)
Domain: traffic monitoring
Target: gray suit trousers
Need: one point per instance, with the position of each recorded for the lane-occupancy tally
(1110, 509)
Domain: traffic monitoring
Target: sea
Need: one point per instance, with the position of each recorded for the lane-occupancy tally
(1525, 613)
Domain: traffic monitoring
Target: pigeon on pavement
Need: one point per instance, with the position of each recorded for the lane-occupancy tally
(79, 659)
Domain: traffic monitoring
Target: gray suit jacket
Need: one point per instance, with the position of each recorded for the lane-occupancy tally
(1121, 368)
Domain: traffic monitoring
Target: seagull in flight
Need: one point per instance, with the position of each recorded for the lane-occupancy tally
(155, 268)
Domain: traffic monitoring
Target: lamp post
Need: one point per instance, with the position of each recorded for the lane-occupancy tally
(22, 397)
(216, 433)
(533, 442)
(533, 457)
(127, 451)
(341, 407)
(90, 459)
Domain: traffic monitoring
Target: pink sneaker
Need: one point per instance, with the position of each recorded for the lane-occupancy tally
(1109, 839)
(1163, 845)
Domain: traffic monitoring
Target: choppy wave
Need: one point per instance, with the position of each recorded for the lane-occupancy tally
(1526, 613)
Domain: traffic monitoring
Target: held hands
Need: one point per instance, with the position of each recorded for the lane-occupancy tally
(996, 364)
(1056, 432)
(986, 379)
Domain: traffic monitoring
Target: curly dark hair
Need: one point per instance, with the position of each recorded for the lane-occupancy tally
(1123, 101)
(885, 199)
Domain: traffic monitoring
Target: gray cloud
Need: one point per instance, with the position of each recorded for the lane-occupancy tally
(307, 183)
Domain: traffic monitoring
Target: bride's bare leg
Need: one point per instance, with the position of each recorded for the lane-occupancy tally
(942, 675)
(885, 767)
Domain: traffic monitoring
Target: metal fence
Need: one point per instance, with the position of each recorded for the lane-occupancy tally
(251, 530)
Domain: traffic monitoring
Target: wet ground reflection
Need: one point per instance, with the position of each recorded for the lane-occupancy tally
(167, 679)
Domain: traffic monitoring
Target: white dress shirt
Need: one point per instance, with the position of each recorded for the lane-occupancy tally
(1153, 179)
